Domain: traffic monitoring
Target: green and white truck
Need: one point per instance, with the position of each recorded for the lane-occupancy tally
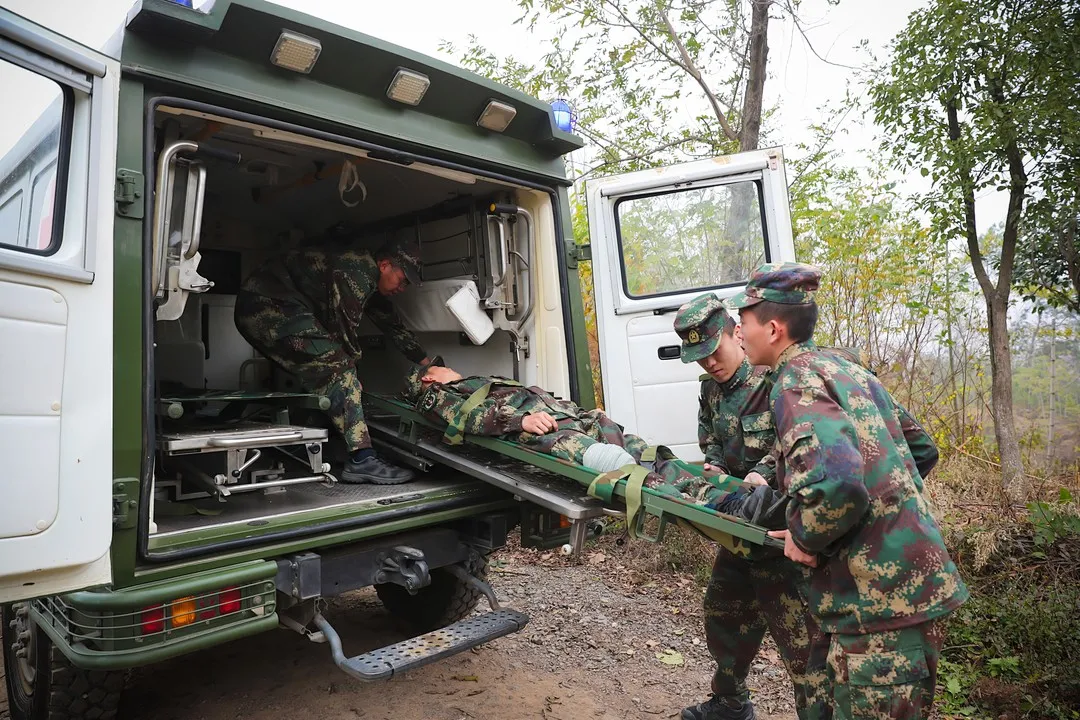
(166, 488)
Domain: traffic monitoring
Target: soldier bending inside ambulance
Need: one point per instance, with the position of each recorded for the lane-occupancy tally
(303, 309)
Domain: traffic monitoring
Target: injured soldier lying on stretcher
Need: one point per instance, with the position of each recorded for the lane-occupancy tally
(533, 418)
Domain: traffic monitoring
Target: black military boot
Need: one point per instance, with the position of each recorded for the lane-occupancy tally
(720, 707)
(373, 469)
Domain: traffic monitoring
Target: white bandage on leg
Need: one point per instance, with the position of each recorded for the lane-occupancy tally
(602, 457)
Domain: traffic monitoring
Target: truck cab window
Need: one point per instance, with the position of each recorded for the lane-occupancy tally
(697, 238)
(30, 153)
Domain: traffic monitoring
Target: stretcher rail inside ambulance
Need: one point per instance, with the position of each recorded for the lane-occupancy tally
(408, 433)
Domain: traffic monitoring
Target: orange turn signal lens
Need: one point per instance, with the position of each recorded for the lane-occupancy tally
(182, 611)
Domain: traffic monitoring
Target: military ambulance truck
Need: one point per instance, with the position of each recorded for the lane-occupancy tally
(166, 488)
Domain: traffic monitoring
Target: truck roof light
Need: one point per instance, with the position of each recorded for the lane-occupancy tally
(408, 86)
(496, 116)
(297, 52)
(200, 6)
(563, 114)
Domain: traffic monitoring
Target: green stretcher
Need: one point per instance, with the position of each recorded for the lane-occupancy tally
(624, 485)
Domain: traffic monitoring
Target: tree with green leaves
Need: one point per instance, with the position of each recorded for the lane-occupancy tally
(966, 98)
(627, 66)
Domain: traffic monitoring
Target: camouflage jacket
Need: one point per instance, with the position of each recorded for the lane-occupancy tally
(500, 413)
(855, 498)
(922, 446)
(340, 287)
(735, 428)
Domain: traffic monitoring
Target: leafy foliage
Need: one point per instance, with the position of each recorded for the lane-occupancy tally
(965, 99)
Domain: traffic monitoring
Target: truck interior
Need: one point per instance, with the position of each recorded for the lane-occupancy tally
(239, 443)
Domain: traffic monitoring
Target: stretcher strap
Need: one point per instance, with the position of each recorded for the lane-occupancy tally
(603, 487)
(455, 431)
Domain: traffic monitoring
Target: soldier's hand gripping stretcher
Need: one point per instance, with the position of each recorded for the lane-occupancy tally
(533, 418)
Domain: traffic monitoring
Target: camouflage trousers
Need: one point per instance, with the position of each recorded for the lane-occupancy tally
(575, 435)
(292, 337)
(885, 675)
(744, 598)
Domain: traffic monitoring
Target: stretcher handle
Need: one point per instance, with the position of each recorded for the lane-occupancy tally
(262, 439)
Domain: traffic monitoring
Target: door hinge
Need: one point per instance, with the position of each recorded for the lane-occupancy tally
(580, 253)
(130, 193)
(125, 507)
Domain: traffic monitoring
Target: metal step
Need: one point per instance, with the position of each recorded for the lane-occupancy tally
(423, 649)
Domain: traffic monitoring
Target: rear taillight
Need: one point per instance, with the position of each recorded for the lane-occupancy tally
(229, 601)
(152, 620)
(208, 607)
(186, 610)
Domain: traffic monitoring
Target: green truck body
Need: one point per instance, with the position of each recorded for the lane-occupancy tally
(227, 131)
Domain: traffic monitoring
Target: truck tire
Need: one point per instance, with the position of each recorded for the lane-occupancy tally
(43, 685)
(446, 600)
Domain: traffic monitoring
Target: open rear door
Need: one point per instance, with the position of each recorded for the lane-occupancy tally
(57, 181)
(659, 238)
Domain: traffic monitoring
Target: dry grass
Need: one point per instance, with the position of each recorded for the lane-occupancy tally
(979, 522)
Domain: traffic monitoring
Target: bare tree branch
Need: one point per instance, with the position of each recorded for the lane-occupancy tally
(822, 142)
(644, 155)
(692, 69)
(786, 6)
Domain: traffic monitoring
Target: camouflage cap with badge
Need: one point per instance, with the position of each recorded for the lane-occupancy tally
(414, 381)
(406, 255)
(699, 324)
(785, 283)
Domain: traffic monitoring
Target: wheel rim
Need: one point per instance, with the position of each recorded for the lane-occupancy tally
(25, 649)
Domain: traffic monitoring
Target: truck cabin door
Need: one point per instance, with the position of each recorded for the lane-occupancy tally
(57, 182)
(659, 238)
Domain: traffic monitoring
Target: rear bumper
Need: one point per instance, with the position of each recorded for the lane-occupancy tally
(111, 630)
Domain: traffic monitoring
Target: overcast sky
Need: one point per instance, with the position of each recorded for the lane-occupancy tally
(799, 82)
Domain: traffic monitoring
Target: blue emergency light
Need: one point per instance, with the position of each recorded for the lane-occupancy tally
(199, 6)
(564, 116)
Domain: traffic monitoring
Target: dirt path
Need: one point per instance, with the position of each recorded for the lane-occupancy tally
(589, 651)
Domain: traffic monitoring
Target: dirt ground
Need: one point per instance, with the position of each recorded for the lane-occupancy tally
(600, 632)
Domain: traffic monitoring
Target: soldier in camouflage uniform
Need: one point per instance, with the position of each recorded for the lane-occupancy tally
(303, 309)
(746, 594)
(531, 417)
(883, 581)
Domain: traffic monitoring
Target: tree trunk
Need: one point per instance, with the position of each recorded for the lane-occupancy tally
(1053, 391)
(1071, 253)
(755, 84)
(958, 419)
(1014, 481)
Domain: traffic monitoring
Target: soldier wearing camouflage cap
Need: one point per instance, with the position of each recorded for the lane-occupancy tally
(746, 594)
(882, 580)
(302, 310)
